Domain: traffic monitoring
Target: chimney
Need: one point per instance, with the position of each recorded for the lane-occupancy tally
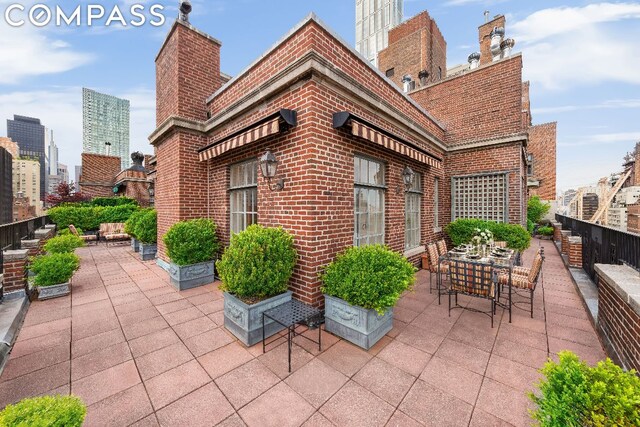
(474, 60)
(407, 83)
(485, 33)
(486, 16)
(496, 40)
(506, 46)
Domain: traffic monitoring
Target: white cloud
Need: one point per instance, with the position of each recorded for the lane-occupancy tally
(603, 139)
(606, 105)
(29, 51)
(60, 108)
(572, 46)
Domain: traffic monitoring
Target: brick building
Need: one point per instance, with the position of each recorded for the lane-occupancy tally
(101, 177)
(360, 160)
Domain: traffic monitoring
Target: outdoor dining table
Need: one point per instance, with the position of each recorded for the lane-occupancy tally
(498, 258)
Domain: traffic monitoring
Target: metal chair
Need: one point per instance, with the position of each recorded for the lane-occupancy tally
(442, 247)
(473, 279)
(437, 266)
(525, 279)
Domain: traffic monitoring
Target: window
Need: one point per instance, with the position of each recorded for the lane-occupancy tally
(480, 196)
(368, 212)
(412, 203)
(390, 72)
(243, 195)
(436, 204)
(529, 164)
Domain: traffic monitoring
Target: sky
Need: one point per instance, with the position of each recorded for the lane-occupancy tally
(582, 58)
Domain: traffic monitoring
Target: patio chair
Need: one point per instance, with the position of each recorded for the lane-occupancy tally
(500, 244)
(113, 232)
(86, 237)
(437, 266)
(473, 279)
(524, 279)
(442, 247)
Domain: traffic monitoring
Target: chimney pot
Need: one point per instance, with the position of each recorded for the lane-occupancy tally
(474, 60)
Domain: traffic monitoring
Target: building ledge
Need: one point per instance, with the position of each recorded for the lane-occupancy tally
(624, 280)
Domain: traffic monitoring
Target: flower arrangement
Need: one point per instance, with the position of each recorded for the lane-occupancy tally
(482, 237)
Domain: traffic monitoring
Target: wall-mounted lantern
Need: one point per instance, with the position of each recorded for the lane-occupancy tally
(269, 168)
(408, 175)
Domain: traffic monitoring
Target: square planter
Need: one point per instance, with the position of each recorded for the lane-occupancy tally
(355, 324)
(148, 252)
(245, 321)
(135, 244)
(191, 276)
(55, 291)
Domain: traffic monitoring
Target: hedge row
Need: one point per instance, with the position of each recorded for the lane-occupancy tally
(89, 218)
(462, 230)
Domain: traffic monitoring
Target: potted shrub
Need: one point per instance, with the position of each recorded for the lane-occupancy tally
(50, 411)
(66, 243)
(545, 232)
(53, 274)
(255, 271)
(361, 286)
(130, 228)
(146, 231)
(575, 394)
(192, 247)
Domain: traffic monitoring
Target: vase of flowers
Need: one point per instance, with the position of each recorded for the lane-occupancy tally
(483, 240)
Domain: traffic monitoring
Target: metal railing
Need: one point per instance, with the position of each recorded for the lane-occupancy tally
(603, 245)
(11, 234)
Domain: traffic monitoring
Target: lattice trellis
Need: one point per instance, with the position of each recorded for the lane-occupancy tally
(484, 196)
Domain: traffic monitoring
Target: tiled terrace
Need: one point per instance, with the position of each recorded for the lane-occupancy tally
(140, 353)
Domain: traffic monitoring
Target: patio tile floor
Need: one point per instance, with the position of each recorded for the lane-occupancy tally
(141, 353)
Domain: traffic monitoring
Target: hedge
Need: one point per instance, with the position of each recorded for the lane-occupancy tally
(90, 217)
(146, 227)
(113, 201)
(462, 230)
(45, 411)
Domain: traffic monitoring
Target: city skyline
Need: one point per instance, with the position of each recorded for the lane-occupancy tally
(577, 77)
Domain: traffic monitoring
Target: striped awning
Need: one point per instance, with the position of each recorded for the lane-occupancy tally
(363, 131)
(255, 133)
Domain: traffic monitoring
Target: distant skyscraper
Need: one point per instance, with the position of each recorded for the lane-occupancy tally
(6, 186)
(52, 152)
(29, 134)
(78, 172)
(63, 172)
(374, 19)
(105, 125)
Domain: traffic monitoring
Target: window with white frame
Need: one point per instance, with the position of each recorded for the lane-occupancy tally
(412, 204)
(483, 196)
(243, 195)
(368, 212)
(436, 204)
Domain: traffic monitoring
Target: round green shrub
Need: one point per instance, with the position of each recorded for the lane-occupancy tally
(545, 231)
(462, 230)
(575, 394)
(65, 231)
(146, 228)
(45, 411)
(371, 277)
(258, 263)
(536, 209)
(54, 269)
(191, 242)
(131, 223)
(63, 244)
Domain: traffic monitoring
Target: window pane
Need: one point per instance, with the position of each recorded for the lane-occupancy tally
(368, 202)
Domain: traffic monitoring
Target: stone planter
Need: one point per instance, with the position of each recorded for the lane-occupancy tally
(135, 244)
(356, 324)
(191, 276)
(148, 252)
(55, 291)
(245, 321)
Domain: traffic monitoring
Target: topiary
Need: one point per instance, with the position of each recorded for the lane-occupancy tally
(63, 244)
(258, 263)
(575, 394)
(45, 411)
(371, 277)
(191, 242)
(131, 223)
(146, 228)
(54, 269)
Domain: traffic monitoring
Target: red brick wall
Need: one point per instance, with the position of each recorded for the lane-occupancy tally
(526, 105)
(542, 145)
(575, 252)
(187, 72)
(98, 174)
(415, 45)
(15, 275)
(485, 103)
(484, 33)
(633, 218)
(502, 158)
(620, 324)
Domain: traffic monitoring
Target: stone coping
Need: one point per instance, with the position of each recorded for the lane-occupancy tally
(32, 243)
(565, 232)
(15, 255)
(624, 280)
(575, 239)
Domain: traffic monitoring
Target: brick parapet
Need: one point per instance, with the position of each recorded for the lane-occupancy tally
(619, 313)
(14, 268)
(557, 228)
(575, 251)
(564, 238)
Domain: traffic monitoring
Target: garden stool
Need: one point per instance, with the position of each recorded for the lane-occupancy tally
(292, 314)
